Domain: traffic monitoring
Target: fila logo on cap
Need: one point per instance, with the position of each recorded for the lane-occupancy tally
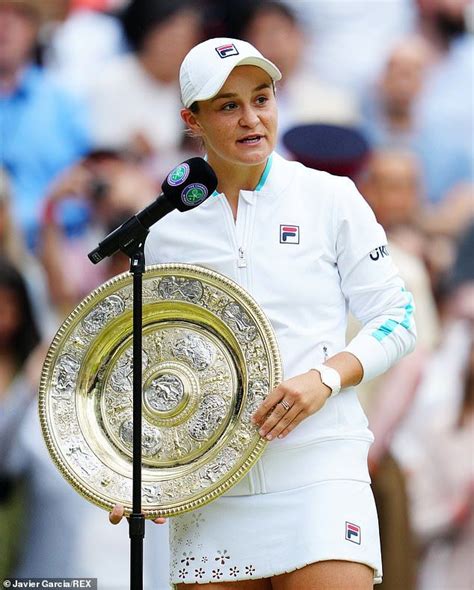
(289, 234)
(353, 532)
(227, 50)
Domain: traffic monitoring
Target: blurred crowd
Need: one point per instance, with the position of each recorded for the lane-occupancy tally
(380, 90)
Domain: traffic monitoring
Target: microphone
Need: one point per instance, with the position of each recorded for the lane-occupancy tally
(186, 187)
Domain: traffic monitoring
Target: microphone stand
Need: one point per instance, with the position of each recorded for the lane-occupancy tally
(136, 521)
(132, 243)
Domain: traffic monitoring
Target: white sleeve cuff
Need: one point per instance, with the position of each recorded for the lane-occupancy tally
(370, 353)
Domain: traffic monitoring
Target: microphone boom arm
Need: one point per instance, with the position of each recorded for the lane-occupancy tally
(127, 237)
(185, 187)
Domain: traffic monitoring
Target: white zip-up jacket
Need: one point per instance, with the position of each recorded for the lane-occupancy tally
(307, 247)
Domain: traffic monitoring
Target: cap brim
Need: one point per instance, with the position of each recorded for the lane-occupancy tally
(216, 82)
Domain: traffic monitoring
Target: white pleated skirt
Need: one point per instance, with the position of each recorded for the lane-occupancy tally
(280, 518)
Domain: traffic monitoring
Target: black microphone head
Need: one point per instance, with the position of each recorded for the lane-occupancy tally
(190, 184)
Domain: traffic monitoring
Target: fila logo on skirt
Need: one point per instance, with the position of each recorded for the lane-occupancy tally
(353, 532)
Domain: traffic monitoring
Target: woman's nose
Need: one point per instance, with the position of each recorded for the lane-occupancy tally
(249, 117)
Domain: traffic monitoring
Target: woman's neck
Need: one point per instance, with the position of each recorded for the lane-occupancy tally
(233, 179)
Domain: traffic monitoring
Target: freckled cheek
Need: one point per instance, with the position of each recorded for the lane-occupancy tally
(272, 131)
(225, 136)
(270, 121)
(223, 139)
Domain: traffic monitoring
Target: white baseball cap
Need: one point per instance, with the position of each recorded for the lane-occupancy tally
(207, 66)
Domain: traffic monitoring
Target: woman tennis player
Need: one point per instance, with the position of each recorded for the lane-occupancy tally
(308, 248)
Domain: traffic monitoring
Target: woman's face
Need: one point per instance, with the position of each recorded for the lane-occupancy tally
(238, 125)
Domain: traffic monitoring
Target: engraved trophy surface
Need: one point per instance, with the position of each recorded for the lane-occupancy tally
(209, 358)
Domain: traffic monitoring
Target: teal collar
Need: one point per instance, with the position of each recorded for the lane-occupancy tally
(265, 173)
(263, 178)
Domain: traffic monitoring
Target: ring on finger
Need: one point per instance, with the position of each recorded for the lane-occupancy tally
(285, 404)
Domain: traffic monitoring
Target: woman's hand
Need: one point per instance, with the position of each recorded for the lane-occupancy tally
(118, 511)
(289, 404)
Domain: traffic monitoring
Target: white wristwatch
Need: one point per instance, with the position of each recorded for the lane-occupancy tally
(329, 377)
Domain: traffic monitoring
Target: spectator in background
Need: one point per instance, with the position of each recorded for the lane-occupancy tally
(134, 88)
(350, 41)
(391, 184)
(273, 28)
(74, 63)
(393, 187)
(19, 337)
(13, 250)
(112, 188)
(452, 216)
(443, 224)
(390, 119)
(445, 112)
(395, 118)
(42, 128)
(434, 441)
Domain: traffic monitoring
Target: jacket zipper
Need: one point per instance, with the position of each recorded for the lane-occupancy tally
(241, 262)
(239, 248)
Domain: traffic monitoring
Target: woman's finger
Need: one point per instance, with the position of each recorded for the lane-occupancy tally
(117, 514)
(287, 419)
(277, 420)
(297, 420)
(267, 405)
(118, 511)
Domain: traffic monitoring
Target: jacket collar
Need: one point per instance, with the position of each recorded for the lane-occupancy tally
(272, 182)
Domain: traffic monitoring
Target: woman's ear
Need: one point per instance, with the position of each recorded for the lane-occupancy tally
(191, 122)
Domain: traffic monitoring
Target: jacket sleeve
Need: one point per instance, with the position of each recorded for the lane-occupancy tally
(371, 285)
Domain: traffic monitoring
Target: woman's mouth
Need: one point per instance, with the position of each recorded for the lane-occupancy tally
(250, 139)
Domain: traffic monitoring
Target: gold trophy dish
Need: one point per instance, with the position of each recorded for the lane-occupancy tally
(209, 359)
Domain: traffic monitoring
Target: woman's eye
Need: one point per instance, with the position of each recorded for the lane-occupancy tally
(262, 99)
(229, 106)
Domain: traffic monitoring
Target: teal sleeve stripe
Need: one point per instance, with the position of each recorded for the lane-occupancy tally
(385, 330)
(409, 309)
(390, 325)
